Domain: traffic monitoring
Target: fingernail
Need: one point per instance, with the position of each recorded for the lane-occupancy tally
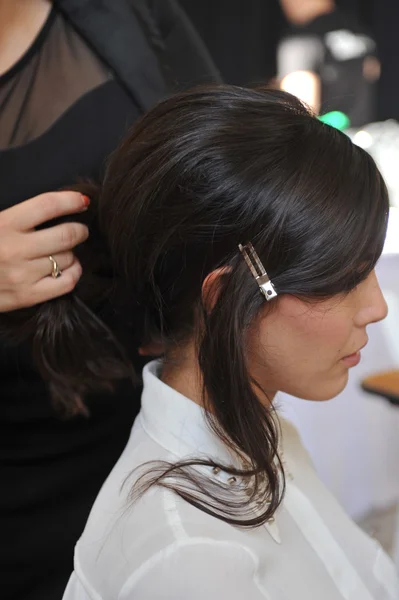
(86, 201)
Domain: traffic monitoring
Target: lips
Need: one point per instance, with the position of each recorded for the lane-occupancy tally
(356, 351)
(351, 360)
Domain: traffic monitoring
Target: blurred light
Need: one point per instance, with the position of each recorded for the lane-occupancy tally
(347, 45)
(336, 119)
(363, 139)
(305, 85)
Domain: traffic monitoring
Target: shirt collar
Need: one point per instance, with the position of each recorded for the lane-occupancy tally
(179, 425)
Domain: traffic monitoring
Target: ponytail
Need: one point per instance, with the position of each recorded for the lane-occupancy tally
(71, 338)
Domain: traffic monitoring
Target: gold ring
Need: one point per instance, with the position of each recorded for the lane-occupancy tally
(56, 271)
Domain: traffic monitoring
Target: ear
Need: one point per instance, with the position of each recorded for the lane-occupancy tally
(212, 286)
(152, 349)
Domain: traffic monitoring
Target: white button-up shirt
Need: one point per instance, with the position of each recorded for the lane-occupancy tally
(161, 547)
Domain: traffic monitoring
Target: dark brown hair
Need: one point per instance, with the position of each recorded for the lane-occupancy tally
(199, 174)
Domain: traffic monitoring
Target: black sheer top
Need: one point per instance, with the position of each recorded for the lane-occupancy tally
(62, 111)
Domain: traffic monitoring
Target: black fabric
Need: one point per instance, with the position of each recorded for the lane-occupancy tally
(171, 51)
(178, 33)
(382, 20)
(51, 470)
(242, 36)
(56, 71)
(100, 23)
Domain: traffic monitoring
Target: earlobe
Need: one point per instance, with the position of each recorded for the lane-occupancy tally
(212, 286)
(152, 349)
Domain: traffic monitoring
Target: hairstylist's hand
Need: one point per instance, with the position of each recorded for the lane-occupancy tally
(25, 266)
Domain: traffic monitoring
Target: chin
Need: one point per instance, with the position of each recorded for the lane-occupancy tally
(332, 393)
(322, 392)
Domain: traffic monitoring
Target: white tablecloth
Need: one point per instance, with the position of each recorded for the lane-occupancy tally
(354, 438)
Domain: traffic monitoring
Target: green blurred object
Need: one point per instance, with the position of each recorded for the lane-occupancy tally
(336, 119)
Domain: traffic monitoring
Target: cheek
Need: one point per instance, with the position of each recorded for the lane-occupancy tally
(305, 334)
(299, 351)
(326, 335)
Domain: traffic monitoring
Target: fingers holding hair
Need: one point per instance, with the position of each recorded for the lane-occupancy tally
(40, 209)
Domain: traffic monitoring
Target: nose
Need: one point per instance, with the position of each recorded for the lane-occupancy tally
(375, 307)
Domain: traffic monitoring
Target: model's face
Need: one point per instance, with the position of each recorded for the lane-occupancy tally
(306, 349)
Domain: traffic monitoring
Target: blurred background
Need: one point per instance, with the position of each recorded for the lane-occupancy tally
(246, 41)
(339, 56)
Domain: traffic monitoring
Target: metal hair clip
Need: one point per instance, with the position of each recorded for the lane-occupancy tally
(258, 271)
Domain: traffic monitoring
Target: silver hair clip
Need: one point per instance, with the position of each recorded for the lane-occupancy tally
(258, 271)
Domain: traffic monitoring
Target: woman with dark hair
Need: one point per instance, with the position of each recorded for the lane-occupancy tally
(242, 234)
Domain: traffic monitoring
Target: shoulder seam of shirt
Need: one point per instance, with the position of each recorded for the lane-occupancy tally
(172, 515)
(88, 588)
(169, 550)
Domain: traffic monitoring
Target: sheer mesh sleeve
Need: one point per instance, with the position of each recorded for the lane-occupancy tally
(55, 72)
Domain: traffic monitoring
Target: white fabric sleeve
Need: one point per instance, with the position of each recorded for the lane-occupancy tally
(75, 590)
(195, 569)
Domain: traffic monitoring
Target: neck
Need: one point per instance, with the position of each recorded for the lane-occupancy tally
(20, 23)
(181, 372)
